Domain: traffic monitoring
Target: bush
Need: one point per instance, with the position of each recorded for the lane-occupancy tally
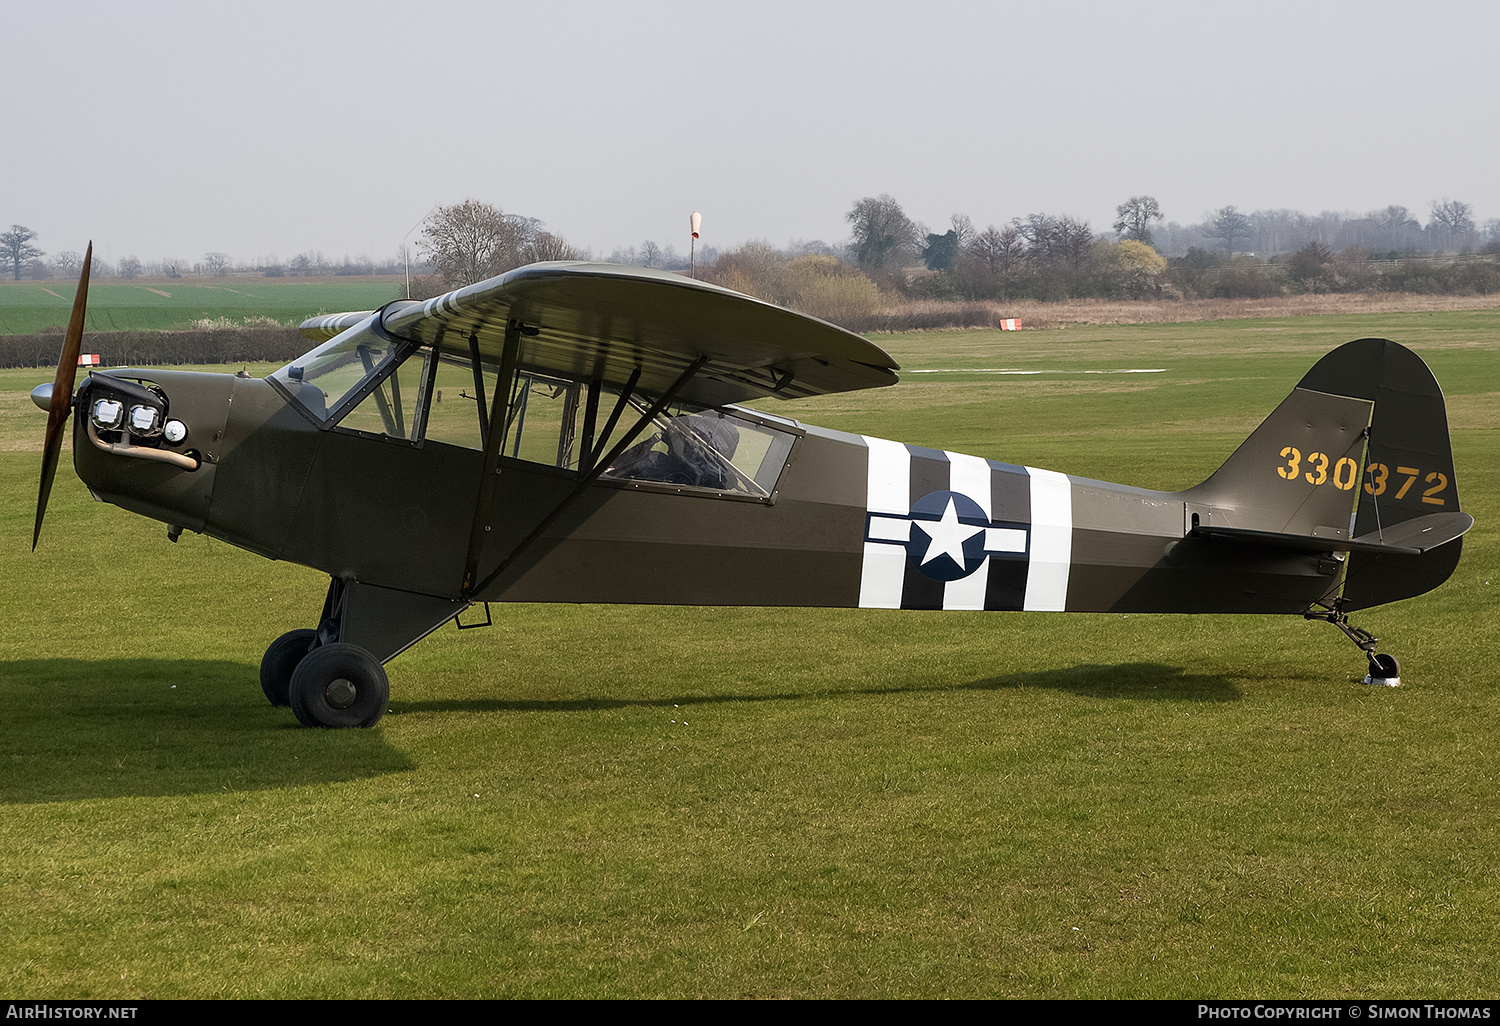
(1477, 276)
(754, 269)
(152, 348)
(1311, 268)
(938, 285)
(821, 286)
(1124, 270)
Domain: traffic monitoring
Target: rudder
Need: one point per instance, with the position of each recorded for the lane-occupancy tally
(1408, 471)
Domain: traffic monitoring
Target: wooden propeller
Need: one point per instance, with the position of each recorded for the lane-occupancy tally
(62, 394)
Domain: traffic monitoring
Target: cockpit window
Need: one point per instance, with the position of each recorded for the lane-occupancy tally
(453, 415)
(543, 421)
(320, 380)
(360, 382)
(711, 449)
(395, 407)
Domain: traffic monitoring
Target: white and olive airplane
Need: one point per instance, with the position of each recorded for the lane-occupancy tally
(571, 432)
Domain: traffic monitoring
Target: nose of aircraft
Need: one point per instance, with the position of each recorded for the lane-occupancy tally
(147, 440)
(143, 439)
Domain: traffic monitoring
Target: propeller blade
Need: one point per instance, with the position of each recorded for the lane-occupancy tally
(62, 394)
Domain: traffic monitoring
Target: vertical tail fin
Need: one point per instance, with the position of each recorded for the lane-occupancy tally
(1408, 469)
(1297, 473)
(1358, 449)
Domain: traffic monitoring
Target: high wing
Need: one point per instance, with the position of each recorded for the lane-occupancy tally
(327, 326)
(617, 324)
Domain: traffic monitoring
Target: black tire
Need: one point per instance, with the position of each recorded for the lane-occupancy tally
(1383, 666)
(339, 685)
(280, 660)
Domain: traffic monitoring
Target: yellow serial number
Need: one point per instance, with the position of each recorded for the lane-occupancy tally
(1318, 468)
(1345, 471)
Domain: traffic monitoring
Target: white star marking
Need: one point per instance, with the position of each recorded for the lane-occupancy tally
(948, 535)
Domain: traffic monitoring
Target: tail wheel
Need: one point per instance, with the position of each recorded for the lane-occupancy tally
(339, 685)
(280, 661)
(1383, 666)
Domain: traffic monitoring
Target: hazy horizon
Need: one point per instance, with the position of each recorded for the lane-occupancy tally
(172, 129)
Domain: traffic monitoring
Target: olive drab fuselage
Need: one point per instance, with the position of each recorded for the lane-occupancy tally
(577, 433)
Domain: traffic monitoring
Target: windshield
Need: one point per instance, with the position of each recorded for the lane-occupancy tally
(323, 378)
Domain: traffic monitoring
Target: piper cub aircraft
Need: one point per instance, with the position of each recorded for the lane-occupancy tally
(569, 432)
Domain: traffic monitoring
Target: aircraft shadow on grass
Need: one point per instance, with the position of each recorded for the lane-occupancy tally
(1122, 681)
(110, 728)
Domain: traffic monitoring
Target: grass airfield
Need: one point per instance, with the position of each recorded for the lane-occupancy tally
(645, 801)
(148, 304)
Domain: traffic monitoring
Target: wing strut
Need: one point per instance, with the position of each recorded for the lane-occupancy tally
(614, 418)
(599, 466)
(484, 412)
(494, 440)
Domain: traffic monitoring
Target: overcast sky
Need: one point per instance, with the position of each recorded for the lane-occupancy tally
(269, 128)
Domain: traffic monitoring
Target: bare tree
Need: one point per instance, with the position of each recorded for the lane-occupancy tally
(1055, 240)
(999, 249)
(756, 268)
(1394, 218)
(472, 241)
(68, 263)
(16, 248)
(216, 263)
(1135, 217)
(1492, 232)
(963, 229)
(547, 246)
(1452, 222)
(884, 237)
(130, 267)
(1040, 233)
(984, 267)
(1228, 224)
(1074, 240)
(650, 254)
(805, 247)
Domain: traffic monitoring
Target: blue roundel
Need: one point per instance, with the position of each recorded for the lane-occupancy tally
(947, 536)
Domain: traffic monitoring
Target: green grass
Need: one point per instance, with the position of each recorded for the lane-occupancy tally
(169, 304)
(620, 801)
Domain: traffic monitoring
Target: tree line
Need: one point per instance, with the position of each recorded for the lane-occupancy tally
(21, 260)
(1041, 256)
(1229, 254)
(888, 255)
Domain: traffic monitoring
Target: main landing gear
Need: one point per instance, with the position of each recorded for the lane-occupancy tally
(1384, 670)
(328, 683)
(331, 685)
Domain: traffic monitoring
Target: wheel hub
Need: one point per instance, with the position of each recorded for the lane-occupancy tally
(341, 693)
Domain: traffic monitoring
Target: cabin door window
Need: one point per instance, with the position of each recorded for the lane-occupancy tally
(542, 422)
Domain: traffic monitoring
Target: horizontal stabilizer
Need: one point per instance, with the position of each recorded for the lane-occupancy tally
(1408, 538)
(1420, 533)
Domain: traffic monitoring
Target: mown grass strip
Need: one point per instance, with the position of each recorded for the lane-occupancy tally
(624, 801)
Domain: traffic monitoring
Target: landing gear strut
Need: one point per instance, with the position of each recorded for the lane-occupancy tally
(1384, 670)
(327, 683)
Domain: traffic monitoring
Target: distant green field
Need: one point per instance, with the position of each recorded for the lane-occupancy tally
(116, 305)
(682, 802)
